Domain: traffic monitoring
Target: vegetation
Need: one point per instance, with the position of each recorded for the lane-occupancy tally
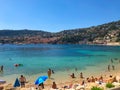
(101, 34)
(110, 85)
(96, 88)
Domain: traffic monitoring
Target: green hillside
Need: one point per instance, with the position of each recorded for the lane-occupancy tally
(101, 34)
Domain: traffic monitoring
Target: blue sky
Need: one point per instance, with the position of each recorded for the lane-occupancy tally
(57, 15)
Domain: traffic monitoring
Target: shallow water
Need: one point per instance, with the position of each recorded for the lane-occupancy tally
(63, 59)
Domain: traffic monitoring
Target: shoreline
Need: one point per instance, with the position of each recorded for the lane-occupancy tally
(107, 44)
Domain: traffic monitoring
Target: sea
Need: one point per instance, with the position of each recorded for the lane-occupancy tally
(36, 59)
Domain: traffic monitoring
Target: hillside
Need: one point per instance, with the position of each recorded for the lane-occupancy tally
(22, 33)
(101, 34)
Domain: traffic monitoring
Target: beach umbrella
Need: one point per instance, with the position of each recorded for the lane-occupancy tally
(17, 83)
(40, 80)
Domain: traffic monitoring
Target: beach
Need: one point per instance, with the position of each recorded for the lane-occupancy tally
(66, 80)
(63, 59)
(63, 78)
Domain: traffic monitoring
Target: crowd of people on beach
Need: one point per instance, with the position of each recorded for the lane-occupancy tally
(92, 79)
(73, 75)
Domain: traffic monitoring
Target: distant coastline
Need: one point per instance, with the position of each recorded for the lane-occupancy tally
(108, 44)
(106, 34)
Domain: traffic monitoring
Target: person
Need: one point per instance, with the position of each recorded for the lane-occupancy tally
(42, 86)
(54, 86)
(73, 76)
(92, 79)
(111, 76)
(96, 79)
(22, 81)
(100, 80)
(53, 72)
(108, 67)
(68, 86)
(114, 79)
(81, 75)
(1, 69)
(1, 87)
(113, 67)
(88, 80)
(83, 82)
(111, 61)
(49, 73)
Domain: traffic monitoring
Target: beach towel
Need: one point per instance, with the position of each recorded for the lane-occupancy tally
(17, 83)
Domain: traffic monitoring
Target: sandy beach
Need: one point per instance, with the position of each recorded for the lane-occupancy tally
(67, 80)
(76, 81)
(90, 60)
(113, 44)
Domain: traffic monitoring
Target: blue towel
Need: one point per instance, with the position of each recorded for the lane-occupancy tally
(17, 83)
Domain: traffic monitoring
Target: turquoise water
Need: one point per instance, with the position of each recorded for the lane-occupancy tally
(37, 58)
